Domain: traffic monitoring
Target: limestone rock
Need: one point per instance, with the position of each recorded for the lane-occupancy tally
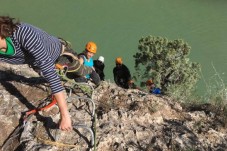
(129, 120)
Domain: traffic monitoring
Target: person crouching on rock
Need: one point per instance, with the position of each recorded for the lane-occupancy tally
(151, 87)
(87, 60)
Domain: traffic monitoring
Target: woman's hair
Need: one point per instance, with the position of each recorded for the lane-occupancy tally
(7, 26)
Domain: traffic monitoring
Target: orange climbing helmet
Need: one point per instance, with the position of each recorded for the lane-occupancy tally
(118, 60)
(91, 47)
(149, 82)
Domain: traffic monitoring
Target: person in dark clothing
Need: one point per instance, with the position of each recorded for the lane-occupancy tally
(121, 74)
(99, 67)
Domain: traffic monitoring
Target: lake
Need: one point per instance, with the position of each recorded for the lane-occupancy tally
(117, 25)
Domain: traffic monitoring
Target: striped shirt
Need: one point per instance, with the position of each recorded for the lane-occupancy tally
(35, 47)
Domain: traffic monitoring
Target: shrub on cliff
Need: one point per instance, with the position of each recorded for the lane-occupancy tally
(167, 63)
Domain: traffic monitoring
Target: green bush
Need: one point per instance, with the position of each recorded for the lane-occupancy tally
(167, 64)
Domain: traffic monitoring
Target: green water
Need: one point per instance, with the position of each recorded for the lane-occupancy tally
(117, 25)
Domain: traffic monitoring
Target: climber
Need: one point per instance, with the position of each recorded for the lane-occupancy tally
(151, 87)
(22, 43)
(121, 73)
(99, 67)
(86, 59)
(69, 60)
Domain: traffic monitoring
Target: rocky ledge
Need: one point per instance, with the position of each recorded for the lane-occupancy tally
(111, 119)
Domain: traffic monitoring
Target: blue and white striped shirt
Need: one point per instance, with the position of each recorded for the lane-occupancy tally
(35, 47)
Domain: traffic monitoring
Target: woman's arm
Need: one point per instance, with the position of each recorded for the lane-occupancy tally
(31, 40)
(65, 121)
(81, 60)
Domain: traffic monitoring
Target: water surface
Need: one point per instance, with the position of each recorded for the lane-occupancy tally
(116, 26)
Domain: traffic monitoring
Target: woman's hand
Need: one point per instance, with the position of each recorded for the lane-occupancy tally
(65, 122)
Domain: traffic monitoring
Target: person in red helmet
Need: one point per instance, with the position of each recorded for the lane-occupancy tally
(151, 87)
(121, 73)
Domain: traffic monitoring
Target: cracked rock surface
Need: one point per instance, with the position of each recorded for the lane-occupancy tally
(124, 120)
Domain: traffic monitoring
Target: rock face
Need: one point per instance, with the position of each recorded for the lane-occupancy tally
(111, 118)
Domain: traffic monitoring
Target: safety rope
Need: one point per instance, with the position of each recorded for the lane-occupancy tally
(91, 129)
(85, 87)
(62, 70)
(58, 144)
(93, 104)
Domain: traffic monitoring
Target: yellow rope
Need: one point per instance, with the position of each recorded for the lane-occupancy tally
(58, 144)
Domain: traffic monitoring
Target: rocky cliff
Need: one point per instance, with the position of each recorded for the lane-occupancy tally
(110, 119)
